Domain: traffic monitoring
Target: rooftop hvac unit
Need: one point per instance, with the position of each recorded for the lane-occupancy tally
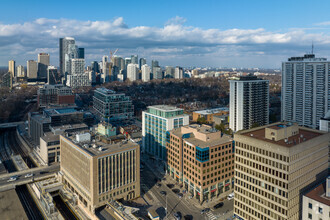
(85, 137)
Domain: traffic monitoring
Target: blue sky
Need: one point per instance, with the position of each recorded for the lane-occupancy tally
(187, 33)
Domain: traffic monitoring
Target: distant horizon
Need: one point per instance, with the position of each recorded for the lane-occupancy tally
(239, 34)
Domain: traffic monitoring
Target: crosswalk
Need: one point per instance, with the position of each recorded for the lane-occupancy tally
(210, 216)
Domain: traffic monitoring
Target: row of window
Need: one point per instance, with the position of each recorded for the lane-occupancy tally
(265, 169)
(263, 152)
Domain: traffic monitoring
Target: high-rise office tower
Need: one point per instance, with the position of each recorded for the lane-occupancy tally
(169, 72)
(67, 46)
(274, 165)
(178, 72)
(11, 68)
(146, 73)
(95, 67)
(122, 64)
(154, 63)
(164, 118)
(127, 61)
(81, 53)
(133, 72)
(305, 90)
(118, 62)
(157, 72)
(142, 62)
(104, 64)
(32, 69)
(20, 71)
(248, 102)
(53, 76)
(134, 59)
(43, 63)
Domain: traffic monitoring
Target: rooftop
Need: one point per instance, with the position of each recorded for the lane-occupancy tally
(60, 111)
(318, 194)
(40, 118)
(292, 134)
(95, 147)
(307, 57)
(165, 107)
(50, 137)
(202, 136)
(215, 142)
(212, 111)
(63, 128)
(106, 91)
(247, 78)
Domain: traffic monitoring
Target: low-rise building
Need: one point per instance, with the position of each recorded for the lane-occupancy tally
(55, 95)
(40, 122)
(98, 172)
(201, 158)
(49, 148)
(208, 114)
(316, 203)
(106, 129)
(325, 122)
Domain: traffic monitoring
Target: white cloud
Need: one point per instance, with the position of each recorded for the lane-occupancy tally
(20, 41)
(325, 23)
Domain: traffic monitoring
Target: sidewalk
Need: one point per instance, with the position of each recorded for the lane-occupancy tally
(159, 172)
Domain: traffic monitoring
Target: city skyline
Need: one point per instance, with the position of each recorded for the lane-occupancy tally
(216, 35)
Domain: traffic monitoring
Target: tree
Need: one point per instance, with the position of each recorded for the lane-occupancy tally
(201, 120)
(255, 125)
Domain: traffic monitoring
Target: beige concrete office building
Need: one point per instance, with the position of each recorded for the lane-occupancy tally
(202, 159)
(99, 172)
(274, 165)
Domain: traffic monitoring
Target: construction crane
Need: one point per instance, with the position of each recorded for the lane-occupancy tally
(112, 53)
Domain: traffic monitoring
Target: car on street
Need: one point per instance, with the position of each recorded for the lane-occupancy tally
(230, 196)
(176, 191)
(205, 211)
(170, 186)
(12, 178)
(163, 193)
(180, 195)
(163, 178)
(177, 215)
(158, 185)
(188, 217)
(219, 205)
(28, 175)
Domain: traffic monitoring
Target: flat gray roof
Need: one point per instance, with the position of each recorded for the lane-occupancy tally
(165, 107)
(93, 147)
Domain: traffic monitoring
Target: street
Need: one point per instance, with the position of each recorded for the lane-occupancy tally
(176, 204)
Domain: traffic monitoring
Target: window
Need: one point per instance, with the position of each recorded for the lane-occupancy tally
(320, 210)
(310, 216)
(310, 206)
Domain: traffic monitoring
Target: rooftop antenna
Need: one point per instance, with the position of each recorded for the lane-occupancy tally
(312, 47)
